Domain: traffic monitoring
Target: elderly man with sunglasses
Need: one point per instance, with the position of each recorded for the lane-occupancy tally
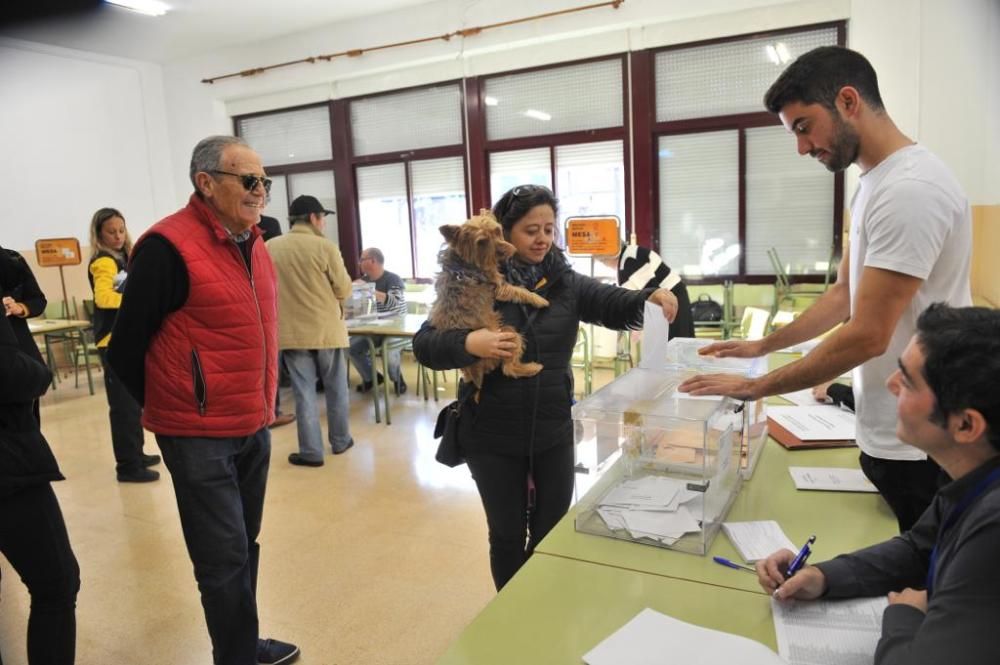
(195, 342)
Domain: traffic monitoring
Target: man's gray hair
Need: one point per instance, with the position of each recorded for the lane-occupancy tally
(376, 254)
(299, 219)
(208, 154)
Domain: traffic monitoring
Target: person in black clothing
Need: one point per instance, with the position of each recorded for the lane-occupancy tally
(517, 434)
(22, 299)
(33, 534)
(271, 228)
(110, 245)
(640, 268)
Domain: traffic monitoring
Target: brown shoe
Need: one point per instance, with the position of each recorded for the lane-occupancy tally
(282, 419)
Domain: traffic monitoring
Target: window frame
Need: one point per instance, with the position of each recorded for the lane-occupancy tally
(739, 122)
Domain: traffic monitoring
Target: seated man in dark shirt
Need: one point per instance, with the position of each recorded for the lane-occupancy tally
(944, 591)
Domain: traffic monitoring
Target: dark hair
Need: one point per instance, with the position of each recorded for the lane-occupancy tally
(518, 201)
(962, 361)
(817, 77)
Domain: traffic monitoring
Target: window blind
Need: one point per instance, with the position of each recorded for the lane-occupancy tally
(423, 118)
(302, 135)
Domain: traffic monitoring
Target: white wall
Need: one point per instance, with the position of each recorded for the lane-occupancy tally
(79, 132)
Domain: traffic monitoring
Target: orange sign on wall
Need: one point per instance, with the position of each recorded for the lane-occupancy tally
(57, 252)
(593, 236)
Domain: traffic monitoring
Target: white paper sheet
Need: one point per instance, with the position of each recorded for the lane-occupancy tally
(828, 632)
(655, 330)
(830, 478)
(802, 397)
(823, 422)
(652, 638)
(757, 540)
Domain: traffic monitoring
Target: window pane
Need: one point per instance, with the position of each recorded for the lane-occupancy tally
(277, 202)
(385, 219)
(321, 185)
(438, 187)
(789, 201)
(423, 118)
(290, 137)
(727, 78)
(699, 202)
(518, 167)
(590, 181)
(562, 99)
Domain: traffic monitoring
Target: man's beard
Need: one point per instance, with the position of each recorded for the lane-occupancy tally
(844, 149)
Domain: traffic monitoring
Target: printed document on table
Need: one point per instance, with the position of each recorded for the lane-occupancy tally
(823, 422)
(757, 540)
(828, 632)
(652, 638)
(802, 397)
(832, 479)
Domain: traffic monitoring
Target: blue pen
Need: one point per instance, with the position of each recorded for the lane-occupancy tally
(731, 564)
(800, 558)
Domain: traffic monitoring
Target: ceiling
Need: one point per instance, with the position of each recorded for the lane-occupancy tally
(191, 27)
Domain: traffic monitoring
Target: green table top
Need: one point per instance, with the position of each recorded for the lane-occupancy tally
(555, 610)
(841, 521)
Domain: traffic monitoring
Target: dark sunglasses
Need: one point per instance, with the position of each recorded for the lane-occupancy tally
(527, 190)
(248, 181)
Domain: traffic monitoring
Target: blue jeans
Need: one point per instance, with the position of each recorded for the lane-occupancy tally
(359, 356)
(219, 485)
(304, 367)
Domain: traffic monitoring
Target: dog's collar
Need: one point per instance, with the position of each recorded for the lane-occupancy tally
(462, 272)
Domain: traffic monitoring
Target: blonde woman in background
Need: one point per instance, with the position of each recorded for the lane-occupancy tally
(110, 245)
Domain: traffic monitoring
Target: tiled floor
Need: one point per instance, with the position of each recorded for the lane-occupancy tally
(379, 557)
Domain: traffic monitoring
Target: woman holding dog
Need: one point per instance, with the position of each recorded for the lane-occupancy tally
(517, 434)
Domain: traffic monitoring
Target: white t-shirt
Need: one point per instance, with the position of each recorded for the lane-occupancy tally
(909, 215)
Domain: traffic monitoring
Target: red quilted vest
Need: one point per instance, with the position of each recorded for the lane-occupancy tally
(211, 370)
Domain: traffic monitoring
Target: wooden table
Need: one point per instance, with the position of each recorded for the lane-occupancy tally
(73, 327)
(389, 333)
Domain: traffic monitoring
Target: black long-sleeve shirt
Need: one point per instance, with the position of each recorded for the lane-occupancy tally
(157, 285)
(964, 607)
(18, 282)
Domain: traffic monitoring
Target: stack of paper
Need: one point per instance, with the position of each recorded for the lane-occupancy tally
(653, 507)
(652, 638)
(757, 540)
(844, 632)
(831, 479)
(818, 426)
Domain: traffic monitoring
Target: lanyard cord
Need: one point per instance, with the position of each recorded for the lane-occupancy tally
(952, 518)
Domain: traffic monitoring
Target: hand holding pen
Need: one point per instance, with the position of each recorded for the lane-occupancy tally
(785, 575)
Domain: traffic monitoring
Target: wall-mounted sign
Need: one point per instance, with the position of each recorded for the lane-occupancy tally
(593, 236)
(57, 252)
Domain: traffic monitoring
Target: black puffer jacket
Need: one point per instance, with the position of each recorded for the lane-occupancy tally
(500, 421)
(25, 456)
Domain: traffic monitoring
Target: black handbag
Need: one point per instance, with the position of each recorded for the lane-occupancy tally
(446, 429)
(706, 309)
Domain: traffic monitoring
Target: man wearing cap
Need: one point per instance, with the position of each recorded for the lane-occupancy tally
(312, 336)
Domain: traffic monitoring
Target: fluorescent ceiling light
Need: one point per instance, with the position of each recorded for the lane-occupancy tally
(772, 54)
(538, 115)
(147, 7)
(782, 51)
(490, 101)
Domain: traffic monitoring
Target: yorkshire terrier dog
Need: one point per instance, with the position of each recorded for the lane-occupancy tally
(470, 282)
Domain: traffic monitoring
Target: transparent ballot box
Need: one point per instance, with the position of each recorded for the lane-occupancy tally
(668, 464)
(682, 354)
(361, 303)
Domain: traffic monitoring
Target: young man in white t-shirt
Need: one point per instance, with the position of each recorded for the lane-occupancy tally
(911, 241)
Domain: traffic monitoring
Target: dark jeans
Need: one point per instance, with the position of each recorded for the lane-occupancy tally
(125, 415)
(33, 538)
(502, 483)
(219, 485)
(907, 486)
